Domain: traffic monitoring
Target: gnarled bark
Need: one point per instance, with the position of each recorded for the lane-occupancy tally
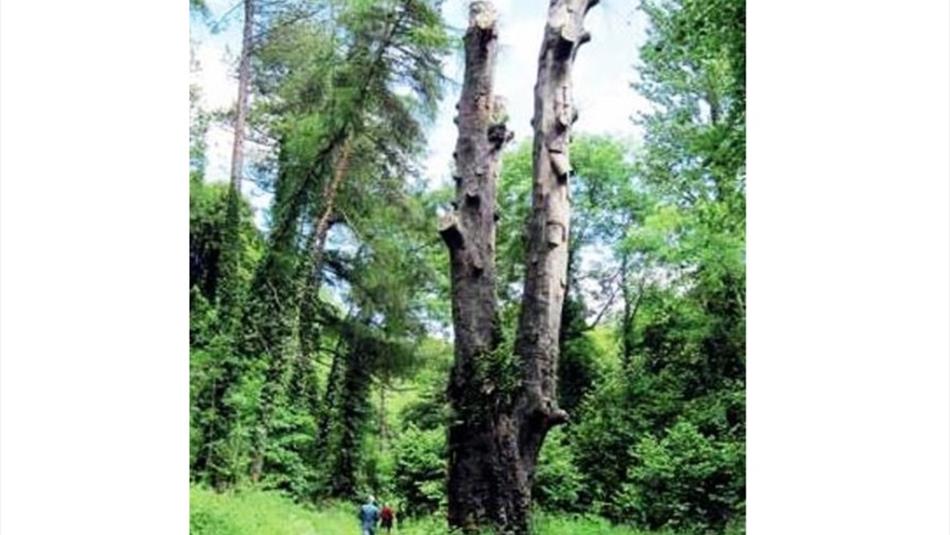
(497, 433)
(477, 481)
(539, 324)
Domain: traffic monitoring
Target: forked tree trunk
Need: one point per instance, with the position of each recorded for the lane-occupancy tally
(498, 430)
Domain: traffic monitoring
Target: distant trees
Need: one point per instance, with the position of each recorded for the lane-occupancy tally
(664, 439)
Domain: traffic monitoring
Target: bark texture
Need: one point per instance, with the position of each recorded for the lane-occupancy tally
(545, 285)
(476, 478)
(549, 224)
(498, 429)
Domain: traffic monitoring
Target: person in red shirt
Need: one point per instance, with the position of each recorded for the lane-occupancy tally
(386, 518)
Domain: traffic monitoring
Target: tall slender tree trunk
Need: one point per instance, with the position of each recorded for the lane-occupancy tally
(322, 224)
(275, 341)
(313, 272)
(228, 290)
(539, 324)
(228, 293)
(497, 433)
(244, 82)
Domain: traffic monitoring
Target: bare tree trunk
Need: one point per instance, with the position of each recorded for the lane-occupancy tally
(244, 82)
(496, 436)
(539, 324)
(476, 480)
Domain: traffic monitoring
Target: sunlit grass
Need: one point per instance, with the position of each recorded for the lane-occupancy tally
(254, 512)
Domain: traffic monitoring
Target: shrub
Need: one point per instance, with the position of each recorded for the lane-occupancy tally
(685, 481)
(420, 470)
(557, 481)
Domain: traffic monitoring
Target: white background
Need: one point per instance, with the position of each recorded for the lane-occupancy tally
(849, 267)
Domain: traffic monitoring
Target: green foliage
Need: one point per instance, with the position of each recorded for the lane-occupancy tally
(580, 360)
(557, 482)
(600, 440)
(327, 76)
(552, 524)
(248, 513)
(211, 345)
(208, 208)
(662, 442)
(429, 411)
(684, 480)
(420, 470)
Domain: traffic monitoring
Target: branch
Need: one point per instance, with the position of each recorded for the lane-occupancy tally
(610, 301)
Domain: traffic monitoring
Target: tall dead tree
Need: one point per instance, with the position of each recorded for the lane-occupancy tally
(469, 233)
(500, 425)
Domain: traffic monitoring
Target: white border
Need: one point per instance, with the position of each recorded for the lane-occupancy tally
(848, 235)
(93, 230)
(848, 267)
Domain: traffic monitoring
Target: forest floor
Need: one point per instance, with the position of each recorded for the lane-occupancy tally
(269, 513)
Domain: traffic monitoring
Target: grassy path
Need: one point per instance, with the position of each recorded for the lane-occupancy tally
(269, 513)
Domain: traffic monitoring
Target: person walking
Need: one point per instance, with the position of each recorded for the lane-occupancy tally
(369, 516)
(387, 517)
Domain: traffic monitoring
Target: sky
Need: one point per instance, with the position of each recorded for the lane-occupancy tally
(603, 72)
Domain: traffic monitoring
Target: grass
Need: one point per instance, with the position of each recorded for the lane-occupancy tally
(254, 512)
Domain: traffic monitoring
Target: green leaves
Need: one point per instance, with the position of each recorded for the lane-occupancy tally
(557, 482)
(420, 470)
(684, 480)
(676, 416)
